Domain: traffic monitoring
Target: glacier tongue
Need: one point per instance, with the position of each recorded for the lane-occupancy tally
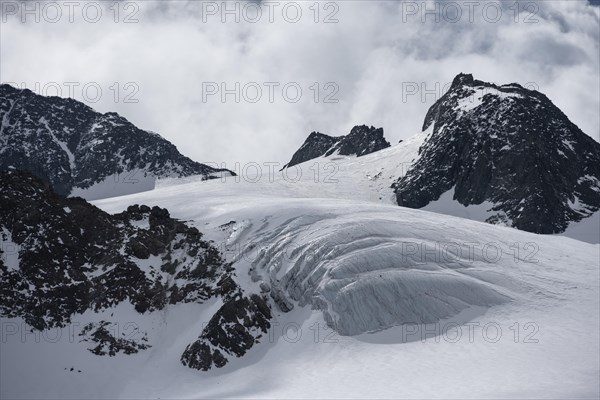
(365, 266)
(367, 273)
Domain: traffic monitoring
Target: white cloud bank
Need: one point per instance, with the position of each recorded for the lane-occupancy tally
(373, 51)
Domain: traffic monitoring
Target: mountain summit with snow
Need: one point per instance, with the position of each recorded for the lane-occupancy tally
(74, 147)
(509, 148)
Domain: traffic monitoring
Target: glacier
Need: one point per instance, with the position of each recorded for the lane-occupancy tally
(366, 296)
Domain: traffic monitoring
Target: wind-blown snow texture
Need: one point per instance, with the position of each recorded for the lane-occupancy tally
(74, 147)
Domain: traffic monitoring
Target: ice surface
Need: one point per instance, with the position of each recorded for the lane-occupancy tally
(448, 206)
(587, 230)
(346, 258)
(114, 185)
(438, 306)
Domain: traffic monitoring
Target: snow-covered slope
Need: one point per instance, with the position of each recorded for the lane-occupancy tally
(488, 302)
(369, 177)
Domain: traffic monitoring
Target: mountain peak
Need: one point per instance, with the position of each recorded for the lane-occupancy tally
(463, 79)
(361, 140)
(315, 135)
(508, 146)
(74, 147)
(361, 129)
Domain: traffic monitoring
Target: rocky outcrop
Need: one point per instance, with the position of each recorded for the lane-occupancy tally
(73, 257)
(360, 141)
(68, 257)
(509, 146)
(103, 342)
(232, 331)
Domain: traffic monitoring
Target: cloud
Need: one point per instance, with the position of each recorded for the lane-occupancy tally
(365, 61)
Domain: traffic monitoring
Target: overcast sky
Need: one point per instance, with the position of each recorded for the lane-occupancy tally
(355, 62)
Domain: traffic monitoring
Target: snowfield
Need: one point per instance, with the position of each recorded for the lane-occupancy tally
(369, 178)
(134, 181)
(386, 302)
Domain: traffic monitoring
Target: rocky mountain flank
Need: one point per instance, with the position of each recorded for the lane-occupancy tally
(72, 146)
(511, 147)
(61, 257)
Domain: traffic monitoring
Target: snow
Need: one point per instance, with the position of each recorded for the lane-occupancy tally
(587, 230)
(469, 103)
(49, 355)
(448, 206)
(10, 250)
(128, 182)
(347, 258)
(60, 143)
(143, 223)
(6, 118)
(436, 306)
(595, 183)
(568, 144)
(366, 178)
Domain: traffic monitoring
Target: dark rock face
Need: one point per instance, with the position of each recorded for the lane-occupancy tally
(70, 145)
(510, 146)
(360, 141)
(233, 330)
(73, 257)
(105, 343)
(316, 145)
